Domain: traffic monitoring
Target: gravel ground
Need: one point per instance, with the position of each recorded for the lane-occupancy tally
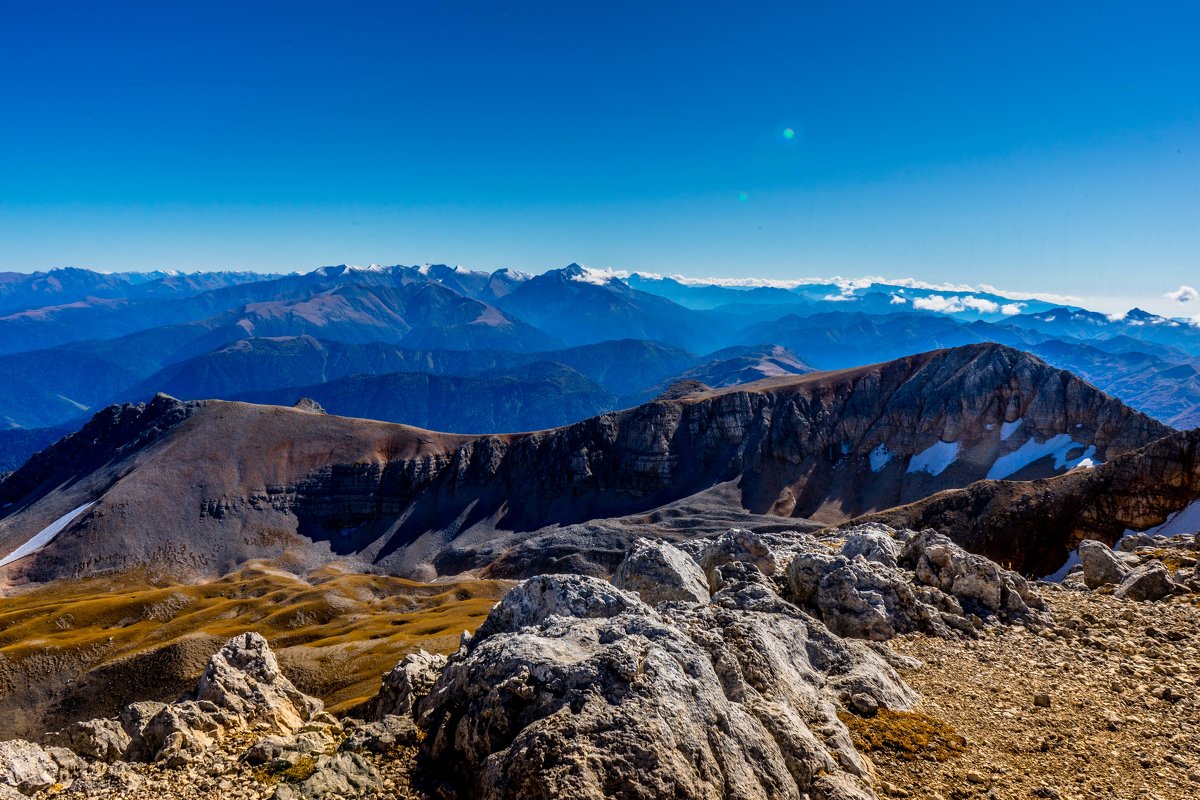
(1106, 704)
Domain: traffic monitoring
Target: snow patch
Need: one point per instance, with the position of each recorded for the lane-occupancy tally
(935, 458)
(880, 457)
(1186, 520)
(1058, 446)
(1009, 428)
(1072, 561)
(45, 536)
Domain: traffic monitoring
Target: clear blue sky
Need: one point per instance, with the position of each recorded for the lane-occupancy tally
(1033, 146)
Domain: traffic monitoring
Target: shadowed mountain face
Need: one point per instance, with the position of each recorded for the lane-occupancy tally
(264, 364)
(201, 487)
(540, 395)
(1033, 526)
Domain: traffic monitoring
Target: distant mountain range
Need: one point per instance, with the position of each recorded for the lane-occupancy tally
(73, 341)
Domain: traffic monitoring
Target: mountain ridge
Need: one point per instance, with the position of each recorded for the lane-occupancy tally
(232, 482)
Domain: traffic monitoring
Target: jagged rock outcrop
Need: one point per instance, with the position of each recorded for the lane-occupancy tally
(575, 688)
(822, 445)
(99, 739)
(874, 582)
(1143, 567)
(241, 687)
(309, 405)
(659, 573)
(405, 684)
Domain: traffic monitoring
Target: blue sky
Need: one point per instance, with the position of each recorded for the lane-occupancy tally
(1032, 146)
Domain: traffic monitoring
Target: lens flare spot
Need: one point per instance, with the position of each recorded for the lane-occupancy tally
(743, 197)
(789, 133)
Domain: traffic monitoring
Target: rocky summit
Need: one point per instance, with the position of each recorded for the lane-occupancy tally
(862, 663)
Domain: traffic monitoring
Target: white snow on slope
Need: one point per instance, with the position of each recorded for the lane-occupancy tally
(935, 458)
(1058, 446)
(45, 536)
(880, 457)
(1057, 577)
(1186, 520)
(1007, 429)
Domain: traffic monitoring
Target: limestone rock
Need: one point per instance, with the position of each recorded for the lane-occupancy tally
(244, 677)
(28, 767)
(180, 731)
(658, 572)
(736, 545)
(574, 688)
(99, 739)
(136, 716)
(874, 543)
(340, 775)
(1151, 581)
(1100, 564)
(381, 736)
(873, 587)
(408, 682)
(241, 686)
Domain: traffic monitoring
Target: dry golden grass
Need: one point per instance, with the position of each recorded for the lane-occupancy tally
(335, 632)
(904, 734)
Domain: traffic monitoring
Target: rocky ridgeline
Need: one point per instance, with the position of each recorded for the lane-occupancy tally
(723, 668)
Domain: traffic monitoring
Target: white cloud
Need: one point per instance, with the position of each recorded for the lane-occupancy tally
(957, 305)
(1010, 309)
(936, 302)
(898, 299)
(599, 277)
(850, 285)
(1184, 294)
(981, 305)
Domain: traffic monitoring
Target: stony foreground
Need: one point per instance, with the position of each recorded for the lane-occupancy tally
(870, 663)
(1104, 705)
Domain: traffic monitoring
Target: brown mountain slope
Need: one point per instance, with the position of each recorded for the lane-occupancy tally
(1033, 526)
(199, 488)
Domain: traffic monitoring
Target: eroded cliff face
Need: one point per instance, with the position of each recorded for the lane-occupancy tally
(1033, 526)
(828, 447)
(232, 482)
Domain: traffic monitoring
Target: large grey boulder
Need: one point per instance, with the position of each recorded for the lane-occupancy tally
(658, 572)
(863, 599)
(407, 682)
(939, 562)
(1150, 581)
(575, 688)
(1100, 564)
(27, 767)
(873, 543)
(876, 583)
(99, 739)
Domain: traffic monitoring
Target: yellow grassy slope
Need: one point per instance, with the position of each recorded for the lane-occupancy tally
(335, 632)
